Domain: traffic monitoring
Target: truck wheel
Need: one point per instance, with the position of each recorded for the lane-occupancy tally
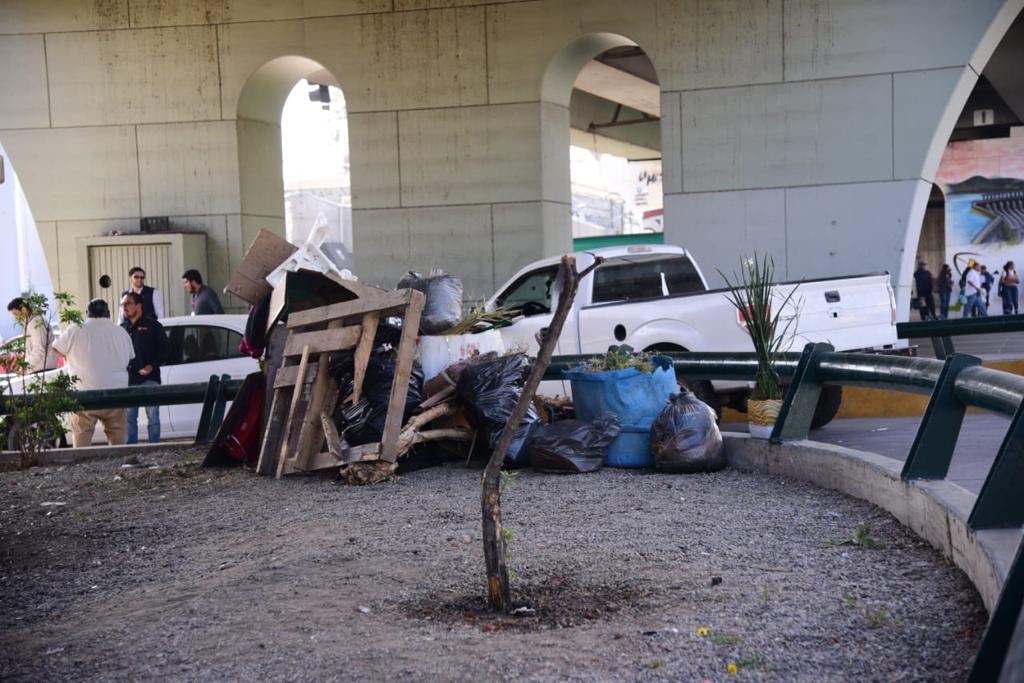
(828, 405)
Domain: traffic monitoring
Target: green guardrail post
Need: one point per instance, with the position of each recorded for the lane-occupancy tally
(943, 347)
(797, 412)
(935, 441)
(218, 406)
(999, 504)
(999, 632)
(212, 389)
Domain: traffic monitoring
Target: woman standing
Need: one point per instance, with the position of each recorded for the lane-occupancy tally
(1008, 288)
(945, 288)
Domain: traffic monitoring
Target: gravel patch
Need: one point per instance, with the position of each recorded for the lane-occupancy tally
(174, 572)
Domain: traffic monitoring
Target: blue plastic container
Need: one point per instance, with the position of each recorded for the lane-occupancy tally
(632, 447)
(632, 395)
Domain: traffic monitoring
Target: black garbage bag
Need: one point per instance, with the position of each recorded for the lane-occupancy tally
(443, 306)
(570, 446)
(490, 391)
(365, 424)
(685, 437)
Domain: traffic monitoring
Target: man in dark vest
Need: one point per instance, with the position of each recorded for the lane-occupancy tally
(152, 302)
(151, 347)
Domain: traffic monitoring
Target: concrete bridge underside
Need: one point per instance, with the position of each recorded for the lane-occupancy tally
(810, 130)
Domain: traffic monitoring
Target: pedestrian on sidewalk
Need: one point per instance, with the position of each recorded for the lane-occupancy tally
(204, 299)
(151, 346)
(1008, 288)
(923, 280)
(98, 353)
(944, 285)
(974, 291)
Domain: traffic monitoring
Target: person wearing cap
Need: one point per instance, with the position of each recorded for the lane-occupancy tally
(923, 281)
(97, 353)
(974, 290)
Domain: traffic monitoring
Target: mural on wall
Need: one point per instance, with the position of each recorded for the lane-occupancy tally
(983, 184)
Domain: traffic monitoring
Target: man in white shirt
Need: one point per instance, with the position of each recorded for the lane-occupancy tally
(38, 336)
(974, 290)
(98, 353)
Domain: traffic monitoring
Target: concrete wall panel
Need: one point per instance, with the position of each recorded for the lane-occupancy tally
(554, 150)
(715, 43)
(515, 236)
(922, 112)
(189, 168)
(244, 48)
(522, 38)
(144, 76)
(403, 5)
(48, 240)
(73, 173)
(719, 228)
(830, 39)
(457, 239)
(34, 16)
(788, 134)
(404, 60)
(373, 151)
(845, 229)
(163, 13)
(671, 143)
(25, 102)
(470, 155)
(261, 185)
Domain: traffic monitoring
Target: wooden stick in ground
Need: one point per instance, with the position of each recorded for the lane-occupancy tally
(498, 590)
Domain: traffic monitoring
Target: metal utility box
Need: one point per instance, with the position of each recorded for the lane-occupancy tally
(164, 257)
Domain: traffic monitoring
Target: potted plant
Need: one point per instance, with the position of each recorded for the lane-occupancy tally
(760, 309)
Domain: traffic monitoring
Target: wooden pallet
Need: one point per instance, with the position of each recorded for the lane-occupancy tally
(300, 421)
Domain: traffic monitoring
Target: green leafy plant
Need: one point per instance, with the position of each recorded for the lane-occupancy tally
(34, 425)
(862, 538)
(876, 618)
(761, 308)
(727, 639)
(619, 358)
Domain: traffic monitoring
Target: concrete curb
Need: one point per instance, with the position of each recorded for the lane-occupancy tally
(71, 456)
(936, 511)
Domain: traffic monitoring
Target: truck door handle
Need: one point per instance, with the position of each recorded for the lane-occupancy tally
(832, 296)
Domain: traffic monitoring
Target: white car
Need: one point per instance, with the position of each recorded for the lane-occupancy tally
(200, 346)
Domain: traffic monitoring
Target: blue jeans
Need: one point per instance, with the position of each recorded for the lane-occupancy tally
(944, 303)
(152, 416)
(974, 301)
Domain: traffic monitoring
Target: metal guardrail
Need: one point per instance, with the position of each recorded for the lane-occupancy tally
(953, 385)
(213, 394)
(942, 332)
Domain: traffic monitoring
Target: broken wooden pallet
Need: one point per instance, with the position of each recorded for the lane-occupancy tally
(304, 398)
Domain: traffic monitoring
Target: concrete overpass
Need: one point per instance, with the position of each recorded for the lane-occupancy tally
(807, 129)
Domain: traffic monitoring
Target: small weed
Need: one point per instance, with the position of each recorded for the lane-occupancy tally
(653, 664)
(764, 594)
(754, 662)
(876, 618)
(849, 600)
(508, 481)
(723, 638)
(862, 538)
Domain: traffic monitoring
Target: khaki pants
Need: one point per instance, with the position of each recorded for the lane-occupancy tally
(83, 424)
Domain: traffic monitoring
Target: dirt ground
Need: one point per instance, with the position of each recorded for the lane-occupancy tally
(170, 571)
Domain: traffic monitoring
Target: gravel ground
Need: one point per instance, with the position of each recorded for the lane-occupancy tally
(173, 572)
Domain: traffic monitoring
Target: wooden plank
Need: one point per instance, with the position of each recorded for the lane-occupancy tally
(271, 446)
(333, 339)
(400, 385)
(318, 461)
(367, 452)
(334, 445)
(388, 303)
(288, 375)
(296, 396)
(311, 435)
(363, 350)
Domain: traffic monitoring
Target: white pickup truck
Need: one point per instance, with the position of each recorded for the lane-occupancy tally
(655, 298)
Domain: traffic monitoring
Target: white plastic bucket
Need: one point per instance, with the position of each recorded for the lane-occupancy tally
(439, 351)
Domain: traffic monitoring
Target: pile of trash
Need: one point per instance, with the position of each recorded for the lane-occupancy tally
(359, 379)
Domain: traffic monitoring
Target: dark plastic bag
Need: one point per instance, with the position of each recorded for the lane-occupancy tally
(685, 437)
(443, 306)
(380, 373)
(490, 392)
(571, 446)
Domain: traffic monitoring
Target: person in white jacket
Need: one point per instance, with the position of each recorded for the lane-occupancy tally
(38, 336)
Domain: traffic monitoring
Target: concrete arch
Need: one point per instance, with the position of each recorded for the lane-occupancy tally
(258, 124)
(556, 90)
(959, 85)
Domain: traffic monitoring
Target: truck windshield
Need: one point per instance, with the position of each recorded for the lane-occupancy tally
(530, 294)
(645, 277)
